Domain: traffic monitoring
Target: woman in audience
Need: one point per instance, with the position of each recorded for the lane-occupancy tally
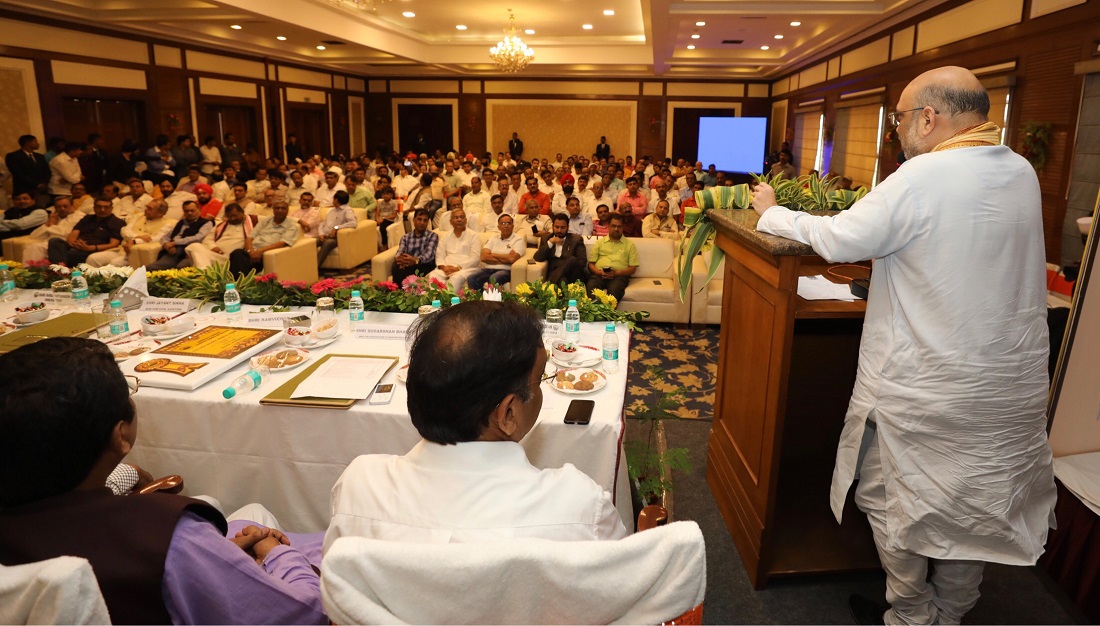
(68, 421)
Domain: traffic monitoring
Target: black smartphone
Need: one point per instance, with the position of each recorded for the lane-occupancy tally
(579, 412)
(534, 230)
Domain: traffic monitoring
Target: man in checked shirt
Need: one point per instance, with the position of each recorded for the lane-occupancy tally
(416, 252)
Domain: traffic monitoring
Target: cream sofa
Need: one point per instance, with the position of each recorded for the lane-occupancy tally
(654, 287)
(706, 300)
(296, 263)
(354, 246)
(382, 264)
(14, 247)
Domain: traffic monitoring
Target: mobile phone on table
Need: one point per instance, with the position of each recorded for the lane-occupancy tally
(382, 394)
(579, 412)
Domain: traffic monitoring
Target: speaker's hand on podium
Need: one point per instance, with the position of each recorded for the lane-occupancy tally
(763, 198)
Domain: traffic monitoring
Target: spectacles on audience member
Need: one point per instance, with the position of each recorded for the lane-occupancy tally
(895, 122)
(134, 383)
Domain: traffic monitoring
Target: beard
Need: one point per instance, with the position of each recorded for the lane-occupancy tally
(910, 142)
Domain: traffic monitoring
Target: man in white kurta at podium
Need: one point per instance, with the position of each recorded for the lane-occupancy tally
(947, 422)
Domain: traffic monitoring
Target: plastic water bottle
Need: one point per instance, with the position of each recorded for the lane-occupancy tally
(247, 382)
(7, 283)
(355, 308)
(117, 319)
(610, 350)
(455, 300)
(572, 322)
(436, 306)
(80, 292)
(232, 302)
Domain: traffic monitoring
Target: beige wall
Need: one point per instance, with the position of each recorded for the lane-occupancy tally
(568, 127)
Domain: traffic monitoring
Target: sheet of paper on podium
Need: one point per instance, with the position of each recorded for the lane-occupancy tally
(821, 288)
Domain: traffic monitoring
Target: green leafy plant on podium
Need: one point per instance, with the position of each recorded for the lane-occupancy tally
(649, 461)
(805, 193)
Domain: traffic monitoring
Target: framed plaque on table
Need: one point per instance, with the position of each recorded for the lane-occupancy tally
(198, 357)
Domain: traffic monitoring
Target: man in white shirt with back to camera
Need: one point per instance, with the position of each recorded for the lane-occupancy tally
(473, 394)
(947, 422)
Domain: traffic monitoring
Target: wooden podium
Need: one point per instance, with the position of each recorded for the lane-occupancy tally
(786, 370)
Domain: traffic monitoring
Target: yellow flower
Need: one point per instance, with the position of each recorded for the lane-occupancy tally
(576, 291)
(12, 265)
(524, 289)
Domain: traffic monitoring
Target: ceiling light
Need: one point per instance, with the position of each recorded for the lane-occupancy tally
(529, 31)
(691, 47)
(461, 27)
(409, 14)
(779, 36)
(700, 23)
(608, 12)
(236, 26)
(281, 38)
(796, 23)
(695, 36)
(765, 47)
(320, 47)
(511, 54)
(586, 26)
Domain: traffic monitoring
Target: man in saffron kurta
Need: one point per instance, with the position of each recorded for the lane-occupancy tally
(947, 425)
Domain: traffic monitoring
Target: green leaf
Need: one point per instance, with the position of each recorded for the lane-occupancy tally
(703, 231)
(742, 197)
(717, 255)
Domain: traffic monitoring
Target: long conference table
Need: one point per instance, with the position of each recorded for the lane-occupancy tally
(288, 458)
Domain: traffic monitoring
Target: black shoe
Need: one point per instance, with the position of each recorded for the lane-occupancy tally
(865, 610)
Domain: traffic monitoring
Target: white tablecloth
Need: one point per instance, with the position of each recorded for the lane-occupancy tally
(288, 458)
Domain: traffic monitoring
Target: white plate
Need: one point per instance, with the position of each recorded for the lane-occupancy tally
(599, 383)
(586, 356)
(314, 342)
(280, 354)
(403, 374)
(164, 336)
(124, 350)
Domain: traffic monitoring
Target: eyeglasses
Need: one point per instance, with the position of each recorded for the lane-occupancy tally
(893, 117)
(134, 383)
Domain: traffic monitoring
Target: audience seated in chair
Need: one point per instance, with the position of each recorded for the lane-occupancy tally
(59, 224)
(458, 253)
(564, 252)
(225, 238)
(473, 393)
(416, 252)
(68, 421)
(152, 225)
(98, 232)
(612, 261)
(339, 216)
(23, 217)
(498, 254)
(193, 228)
(271, 233)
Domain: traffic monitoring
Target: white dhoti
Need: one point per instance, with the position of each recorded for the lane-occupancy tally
(457, 280)
(115, 256)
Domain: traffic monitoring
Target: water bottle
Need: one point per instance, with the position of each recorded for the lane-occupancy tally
(7, 283)
(232, 302)
(436, 306)
(572, 322)
(247, 382)
(117, 319)
(355, 308)
(455, 300)
(610, 350)
(80, 292)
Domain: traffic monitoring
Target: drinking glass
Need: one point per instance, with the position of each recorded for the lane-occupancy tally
(553, 327)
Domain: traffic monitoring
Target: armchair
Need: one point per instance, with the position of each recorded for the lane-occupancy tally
(355, 246)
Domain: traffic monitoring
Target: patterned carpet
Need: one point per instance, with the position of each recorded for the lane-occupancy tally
(689, 358)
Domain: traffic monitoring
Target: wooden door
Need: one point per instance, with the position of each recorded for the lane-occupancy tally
(115, 120)
(310, 123)
(239, 120)
(432, 120)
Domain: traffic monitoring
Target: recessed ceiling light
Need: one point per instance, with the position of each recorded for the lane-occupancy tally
(779, 36)
(529, 31)
(608, 12)
(320, 47)
(235, 26)
(691, 47)
(695, 36)
(765, 47)
(409, 14)
(461, 27)
(700, 23)
(281, 38)
(586, 26)
(796, 23)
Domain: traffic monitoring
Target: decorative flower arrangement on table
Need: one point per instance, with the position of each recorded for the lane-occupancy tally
(208, 285)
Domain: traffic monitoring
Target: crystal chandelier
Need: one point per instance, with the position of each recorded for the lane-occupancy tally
(362, 5)
(511, 54)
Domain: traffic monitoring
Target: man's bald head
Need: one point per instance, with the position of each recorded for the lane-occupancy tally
(937, 105)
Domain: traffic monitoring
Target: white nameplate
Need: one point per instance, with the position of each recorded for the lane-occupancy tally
(167, 305)
(270, 319)
(379, 331)
(51, 297)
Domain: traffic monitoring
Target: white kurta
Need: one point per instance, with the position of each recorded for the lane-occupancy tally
(953, 358)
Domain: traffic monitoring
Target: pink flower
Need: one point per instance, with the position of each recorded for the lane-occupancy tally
(388, 284)
(327, 284)
(461, 293)
(438, 284)
(40, 263)
(265, 278)
(294, 284)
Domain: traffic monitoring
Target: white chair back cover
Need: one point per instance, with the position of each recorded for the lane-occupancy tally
(57, 591)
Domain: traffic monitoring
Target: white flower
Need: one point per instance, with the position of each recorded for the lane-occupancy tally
(60, 269)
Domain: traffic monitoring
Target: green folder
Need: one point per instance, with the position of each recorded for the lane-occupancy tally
(68, 325)
(281, 395)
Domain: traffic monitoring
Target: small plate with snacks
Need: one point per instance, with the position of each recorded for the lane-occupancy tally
(281, 359)
(578, 380)
(27, 313)
(160, 326)
(130, 349)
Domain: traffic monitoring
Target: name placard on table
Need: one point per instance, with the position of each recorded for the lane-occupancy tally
(270, 319)
(167, 305)
(379, 331)
(52, 297)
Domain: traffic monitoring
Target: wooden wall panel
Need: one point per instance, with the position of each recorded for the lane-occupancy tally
(651, 127)
(471, 124)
